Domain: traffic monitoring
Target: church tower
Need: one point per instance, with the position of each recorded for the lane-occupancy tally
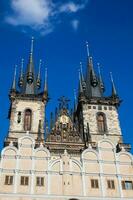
(27, 110)
(97, 114)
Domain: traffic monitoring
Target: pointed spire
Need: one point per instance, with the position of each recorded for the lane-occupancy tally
(81, 70)
(38, 81)
(30, 69)
(80, 84)
(100, 78)
(46, 81)
(82, 77)
(114, 93)
(93, 76)
(51, 121)
(32, 46)
(14, 80)
(88, 51)
(75, 101)
(21, 79)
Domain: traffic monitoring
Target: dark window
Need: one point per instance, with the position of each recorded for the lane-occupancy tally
(89, 107)
(101, 122)
(105, 108)
(94, 183)
(27, 120)
(99, 107)
(111, 184)
(19, 117)
(110, 108)
(8, 180)
(127, 185)
(94, 107)
(40, 181)
(24, 180)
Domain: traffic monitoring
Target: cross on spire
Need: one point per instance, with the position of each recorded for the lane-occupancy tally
(63, 102)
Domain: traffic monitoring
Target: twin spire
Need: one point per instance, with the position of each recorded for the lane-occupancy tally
(29, 83)
(93, 85)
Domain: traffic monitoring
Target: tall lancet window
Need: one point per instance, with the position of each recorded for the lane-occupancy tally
(27, 120)
(101, 122)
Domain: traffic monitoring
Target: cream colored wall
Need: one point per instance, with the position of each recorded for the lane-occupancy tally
(38, 113)
(66, 174)
(113, 125)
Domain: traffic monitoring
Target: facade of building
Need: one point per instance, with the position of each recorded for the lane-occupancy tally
(81, 156)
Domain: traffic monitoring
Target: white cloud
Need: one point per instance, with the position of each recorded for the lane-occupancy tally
(33, 13)
(73, 7)
(75, 24)
(40, 14)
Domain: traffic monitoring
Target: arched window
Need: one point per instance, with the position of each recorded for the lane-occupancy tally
(101, 122)
(27, 120)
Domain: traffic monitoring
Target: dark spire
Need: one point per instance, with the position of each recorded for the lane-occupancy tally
(46, 81)
(92, 87)
(82, 77)
(21, 78)
(51, 121)
(75, 101)
(30, 69)
(100, 79)
(80, 84)
(30, 85)
(13, 89)
(114, 93)
(38, 81)
(45, 93)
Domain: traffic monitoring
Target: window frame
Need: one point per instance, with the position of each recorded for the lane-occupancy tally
(94, 183)
(125, 185)
(24, 180)
(111, 184)
(104, 122)
(40, 181)
(24, 124)
(9, 179)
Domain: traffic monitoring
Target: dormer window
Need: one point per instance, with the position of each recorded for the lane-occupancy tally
(27, 120)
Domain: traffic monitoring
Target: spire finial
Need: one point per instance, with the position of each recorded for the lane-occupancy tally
(114, 93)
(22, 66)
(99, 69)
(14, 79)
(21, 73)
(81, 69)
(46, 76)
(32, 45)
(75, 99)
(39, 70)
(80, 83)
(39, 74)
(100, 77)
(87, 47)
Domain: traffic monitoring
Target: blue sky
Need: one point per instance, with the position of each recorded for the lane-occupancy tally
(60, 28)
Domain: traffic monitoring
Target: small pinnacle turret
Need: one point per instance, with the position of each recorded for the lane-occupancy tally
(114, 93)
(100, 79)
(45, 92)
(13, 89)
(21, 78)
(38, 80)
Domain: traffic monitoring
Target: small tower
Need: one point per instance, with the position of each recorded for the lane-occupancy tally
(27, 112)
(97, 114)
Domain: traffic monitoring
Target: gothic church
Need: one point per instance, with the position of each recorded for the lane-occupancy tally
(81, 156)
